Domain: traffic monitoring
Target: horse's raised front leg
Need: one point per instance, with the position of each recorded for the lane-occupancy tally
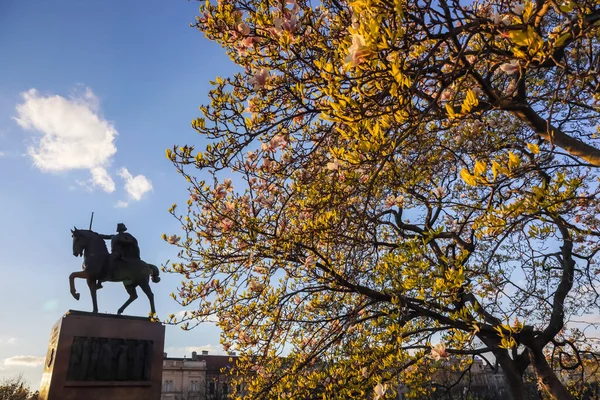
(146, 288)
(132, 296)
(78, 274)
(93, 287)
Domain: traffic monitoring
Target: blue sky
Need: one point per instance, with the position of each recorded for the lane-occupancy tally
(91, 95)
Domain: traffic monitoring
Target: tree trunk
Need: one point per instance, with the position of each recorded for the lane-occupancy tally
(514, 380)
(547, 378)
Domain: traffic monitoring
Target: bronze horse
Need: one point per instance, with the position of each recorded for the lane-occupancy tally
(132, 273)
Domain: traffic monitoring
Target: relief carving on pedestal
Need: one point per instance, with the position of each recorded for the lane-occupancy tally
(105, 359)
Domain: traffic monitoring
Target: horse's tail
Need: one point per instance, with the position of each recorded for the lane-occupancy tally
(154, 272)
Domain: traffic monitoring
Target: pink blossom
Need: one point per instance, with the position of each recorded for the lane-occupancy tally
(229, 206)
(249, 41)
(286, 24)
(243, 338)
(256, 287)
(259, 80)
(356, 23)
(364, 372)
(333, 166)
(510, 67)
(309, 261)
(226, 224)
(358, 51)
(219, 192)
(260, 370)
(380, 391)
(483, 10)
(446, 95)
(498, 19)
(173, 239)
(278, 141)
(439, 351)
(294, 4)
(259, 199)
(269, 201)
(511, 87)
(389, 202)
(267, 163)
(518, 8)
(243, 28)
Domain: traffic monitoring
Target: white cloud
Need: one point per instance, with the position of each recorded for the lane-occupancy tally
(187, 313)
(101, 178)
(25, 361)
(50, 305)
(212, 349)
(8, 340)
(136, 186)
(187, 350)
(73, 134)
(121, 204)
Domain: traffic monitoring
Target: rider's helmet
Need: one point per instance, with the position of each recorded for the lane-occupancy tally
(121, 227)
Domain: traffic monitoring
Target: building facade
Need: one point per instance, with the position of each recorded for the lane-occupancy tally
(200, 377)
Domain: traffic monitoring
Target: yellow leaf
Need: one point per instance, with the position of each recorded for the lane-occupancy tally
(467, 177)
(450, 110)
(496, 168)
(519, 38)
(566, 6)
(480, 168)
(562, 39)
(528, 10)
(534, 148)
(519, 53)
(513, 160)
(470, 102)
(472, 97)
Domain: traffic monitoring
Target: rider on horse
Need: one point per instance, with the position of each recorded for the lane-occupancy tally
(123, 246)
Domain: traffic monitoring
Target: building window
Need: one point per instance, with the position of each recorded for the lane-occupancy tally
(194, 386)
(211, 388)
(224, 388)
(168, 386)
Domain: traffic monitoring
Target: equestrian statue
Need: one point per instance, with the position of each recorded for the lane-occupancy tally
(123, 264)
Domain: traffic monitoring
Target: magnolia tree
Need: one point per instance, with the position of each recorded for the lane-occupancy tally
(16, 389)
(394, 187)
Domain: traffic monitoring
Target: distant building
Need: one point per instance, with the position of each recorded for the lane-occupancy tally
(201, 377)
(480, 381)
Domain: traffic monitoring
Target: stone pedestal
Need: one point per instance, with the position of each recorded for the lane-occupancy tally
(103, 357)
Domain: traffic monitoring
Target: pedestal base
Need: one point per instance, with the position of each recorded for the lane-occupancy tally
(102, 356)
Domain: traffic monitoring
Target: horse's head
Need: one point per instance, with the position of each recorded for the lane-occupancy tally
(80, 241)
